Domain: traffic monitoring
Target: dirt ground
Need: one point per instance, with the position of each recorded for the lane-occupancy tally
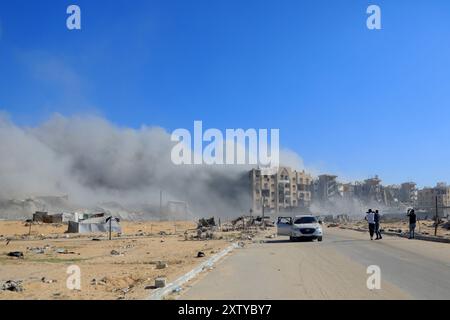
(127, 273)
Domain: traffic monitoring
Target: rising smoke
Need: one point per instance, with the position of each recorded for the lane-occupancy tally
(98, 164)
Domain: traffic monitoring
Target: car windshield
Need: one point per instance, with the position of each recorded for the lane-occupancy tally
(303, 220)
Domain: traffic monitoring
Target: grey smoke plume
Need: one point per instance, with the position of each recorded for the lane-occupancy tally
(95, 162)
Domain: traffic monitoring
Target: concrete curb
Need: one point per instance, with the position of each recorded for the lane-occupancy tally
(405, 235)
(162, 292)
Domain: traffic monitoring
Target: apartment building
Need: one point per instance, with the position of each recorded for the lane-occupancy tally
(326, 187)
(426, 199)
(282, 190)
(408, 193)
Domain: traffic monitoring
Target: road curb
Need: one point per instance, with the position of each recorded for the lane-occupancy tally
(404, 235)
(171, 287)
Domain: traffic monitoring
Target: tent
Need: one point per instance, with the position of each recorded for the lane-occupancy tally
(94, 225)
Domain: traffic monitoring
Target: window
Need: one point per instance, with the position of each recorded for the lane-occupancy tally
(306, 220)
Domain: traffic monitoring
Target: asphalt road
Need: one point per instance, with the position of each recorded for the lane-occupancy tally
(333, 269)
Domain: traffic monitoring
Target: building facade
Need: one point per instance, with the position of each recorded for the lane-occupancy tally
(427, 197)
(283, 190)
(326, 188)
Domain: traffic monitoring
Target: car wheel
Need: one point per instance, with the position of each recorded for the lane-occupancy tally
(291, 238)
(319, 239)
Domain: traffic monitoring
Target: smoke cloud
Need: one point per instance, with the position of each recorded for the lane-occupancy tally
(99, 165)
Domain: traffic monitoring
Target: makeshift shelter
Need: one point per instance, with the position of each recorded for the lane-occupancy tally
(94, 225)
(40, 216)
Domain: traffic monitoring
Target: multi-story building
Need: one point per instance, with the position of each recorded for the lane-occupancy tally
(408, 193)
(285, 189)
(427, 197)
(326, 188)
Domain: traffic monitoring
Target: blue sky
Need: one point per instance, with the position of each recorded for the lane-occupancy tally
(349, 100)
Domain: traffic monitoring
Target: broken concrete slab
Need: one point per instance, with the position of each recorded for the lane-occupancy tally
(16, 254)
(161, 265)
(12, 285)
(160, 282)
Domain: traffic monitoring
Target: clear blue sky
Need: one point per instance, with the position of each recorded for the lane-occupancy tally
(349, 100)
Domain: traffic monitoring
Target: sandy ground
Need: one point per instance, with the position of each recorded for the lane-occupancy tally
(128, 275)
(425, 227)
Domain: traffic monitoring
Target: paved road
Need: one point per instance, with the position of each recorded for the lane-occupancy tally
(333, 269)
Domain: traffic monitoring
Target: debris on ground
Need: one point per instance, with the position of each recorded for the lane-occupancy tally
(125, 290)
(16, 254)
(161, 265)
(12, 285)
(160, 282)
(115, 253)
(45, 280)
(332, 225)
(200, 254)
(207, 223)
(177, 289)
(248, 222)
(64, 251)
(37, 250)
(103, 281)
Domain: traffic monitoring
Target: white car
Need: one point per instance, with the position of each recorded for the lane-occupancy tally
(300, 227)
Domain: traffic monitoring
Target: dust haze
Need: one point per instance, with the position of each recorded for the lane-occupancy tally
(88, 163)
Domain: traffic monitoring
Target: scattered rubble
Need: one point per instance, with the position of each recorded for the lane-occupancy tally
(12, 285)
(161, 265)
(206, 223)
(160, 282)
(177, 289)
(38, 250)
(200, 254)
(64, 251)
(45, 280)
(16, 254)
(116, 253)
(103, 281)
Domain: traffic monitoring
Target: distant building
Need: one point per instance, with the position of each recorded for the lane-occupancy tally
(283, 190)
(326, 188)
(427, 199)
(408, 193)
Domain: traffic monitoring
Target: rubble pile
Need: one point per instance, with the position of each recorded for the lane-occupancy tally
(12, 285)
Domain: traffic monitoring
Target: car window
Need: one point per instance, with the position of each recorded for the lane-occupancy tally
(284, 220)
(305, 220)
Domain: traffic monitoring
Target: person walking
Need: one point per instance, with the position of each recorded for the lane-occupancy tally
(412, 223)
(377, 225)
(370, 218)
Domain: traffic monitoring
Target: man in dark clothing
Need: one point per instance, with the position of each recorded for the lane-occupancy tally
(412, 222)
(377, 225)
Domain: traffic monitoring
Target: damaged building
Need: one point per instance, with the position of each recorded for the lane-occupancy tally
(282, 190)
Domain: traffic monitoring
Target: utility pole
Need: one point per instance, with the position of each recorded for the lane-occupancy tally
(436, 220)
(264, 204)
(160, 205)
(110, 219)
